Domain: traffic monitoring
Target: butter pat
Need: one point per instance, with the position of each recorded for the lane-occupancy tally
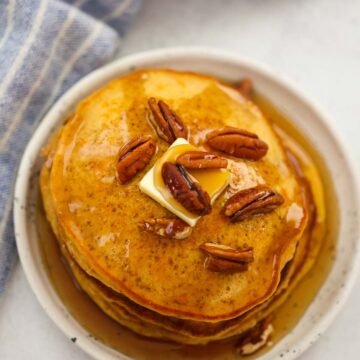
(214, 181)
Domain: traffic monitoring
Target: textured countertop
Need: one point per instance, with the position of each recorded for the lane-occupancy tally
(314, 42)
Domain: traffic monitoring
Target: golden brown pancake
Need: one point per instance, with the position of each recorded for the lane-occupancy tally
(116, 305)
(156, 286)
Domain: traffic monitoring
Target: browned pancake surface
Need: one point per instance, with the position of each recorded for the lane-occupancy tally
(98, 217)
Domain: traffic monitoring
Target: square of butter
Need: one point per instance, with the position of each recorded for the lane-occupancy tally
(147, 186)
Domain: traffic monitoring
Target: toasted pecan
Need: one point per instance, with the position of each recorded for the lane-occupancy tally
(245, 87)
(244, 255)
(255, 338)
(201, 160)
(185, 190)
(166, 122)
(253, 201)
(222, 258)
(237, 142)
(167, 227)
(224, 266)
(134, 156)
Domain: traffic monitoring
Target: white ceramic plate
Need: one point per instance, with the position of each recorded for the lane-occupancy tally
(307, 118)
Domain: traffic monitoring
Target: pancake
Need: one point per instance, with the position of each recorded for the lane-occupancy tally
(120, 308)
(159, 287)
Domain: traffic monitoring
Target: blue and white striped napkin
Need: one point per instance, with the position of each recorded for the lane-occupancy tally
(45, 47)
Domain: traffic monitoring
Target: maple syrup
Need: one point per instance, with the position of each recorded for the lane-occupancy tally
(106, 330)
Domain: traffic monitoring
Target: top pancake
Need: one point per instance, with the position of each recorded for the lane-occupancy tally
(99, 217)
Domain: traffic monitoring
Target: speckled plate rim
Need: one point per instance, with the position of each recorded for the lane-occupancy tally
(307, 117)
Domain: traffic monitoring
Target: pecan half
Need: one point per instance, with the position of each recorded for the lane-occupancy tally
(245, 87)
(237, 142)
(167, 124)
(244, 255)
(185, 190)
(224, 266)
(167, 227)
(255, 338)
(246, 203)
(222, 258)
(134, 156)
(201, 160)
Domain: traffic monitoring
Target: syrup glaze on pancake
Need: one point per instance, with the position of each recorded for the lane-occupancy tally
(98, 217)
(149, 323)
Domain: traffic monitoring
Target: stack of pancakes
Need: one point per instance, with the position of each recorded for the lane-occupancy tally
(156, 286)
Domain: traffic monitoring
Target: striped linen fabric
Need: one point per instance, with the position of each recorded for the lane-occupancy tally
(45, 47)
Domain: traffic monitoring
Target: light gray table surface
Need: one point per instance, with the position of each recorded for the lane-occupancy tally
(316, 43)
